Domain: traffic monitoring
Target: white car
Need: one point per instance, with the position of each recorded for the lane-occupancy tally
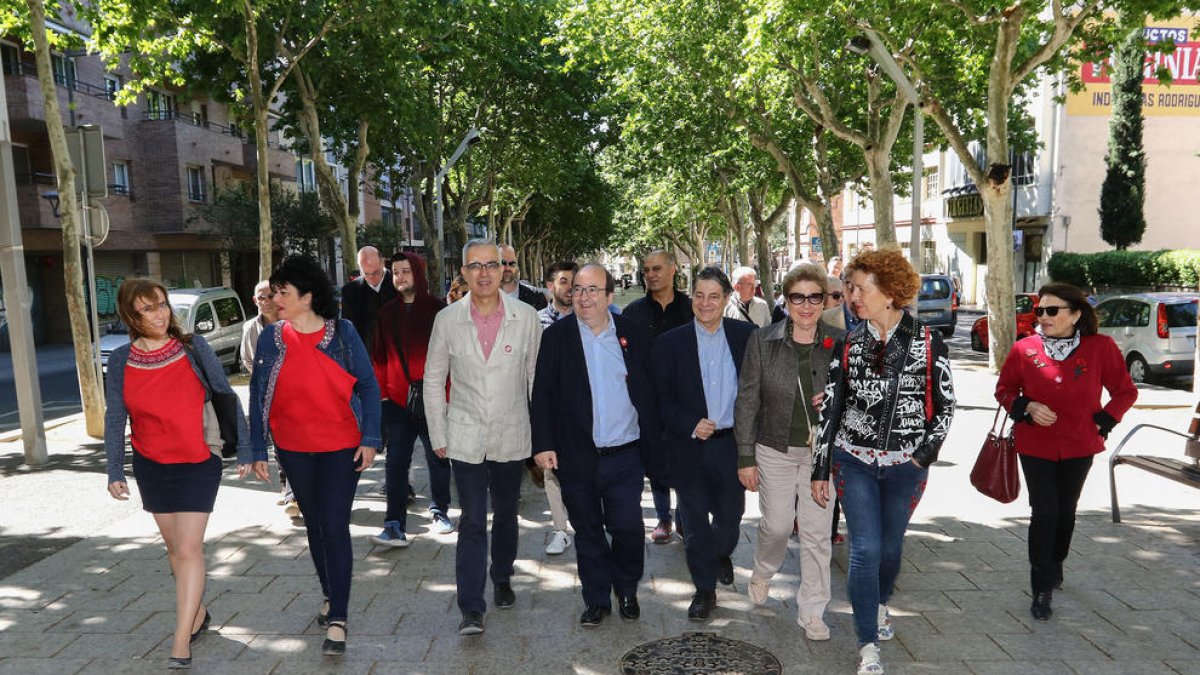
(1155, 331)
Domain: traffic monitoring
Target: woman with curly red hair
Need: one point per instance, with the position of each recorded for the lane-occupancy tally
(888, 406)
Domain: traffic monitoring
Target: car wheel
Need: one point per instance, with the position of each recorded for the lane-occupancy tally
(1139, 370)
(977, 342)
(947, 331)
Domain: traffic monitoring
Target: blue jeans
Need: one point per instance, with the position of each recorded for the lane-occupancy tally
(610, 501)
(324, 484)
(711, 506)
(878, 502)
(475, 482)
(401, 434)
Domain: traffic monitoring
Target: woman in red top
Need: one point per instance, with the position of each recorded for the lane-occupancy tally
(1052, 381)
(159, 383)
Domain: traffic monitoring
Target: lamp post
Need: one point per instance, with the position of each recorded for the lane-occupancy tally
(470, 139)
(870, 44)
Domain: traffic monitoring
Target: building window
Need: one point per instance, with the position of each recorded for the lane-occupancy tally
(11, 57)
(199, 114)
(64, 70)
(1024, 169)
(120, 184)
(306, 177)
(160, 105)
(112, 85)
(931, 183)
(195, 177)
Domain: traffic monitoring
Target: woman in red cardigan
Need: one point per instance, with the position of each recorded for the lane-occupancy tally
(1051, 384)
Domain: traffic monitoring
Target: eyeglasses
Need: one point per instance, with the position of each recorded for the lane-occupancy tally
(264, 298)
(836, 295)
(877, 356)
(490, 266)
(800, 298)
(509, 263)
(1051, 310)
(148, 310)
(590, 291)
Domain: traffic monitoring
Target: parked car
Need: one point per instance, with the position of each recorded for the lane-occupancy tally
(1155, 331)
(1025, 304)
(937, 303)
(214, 313)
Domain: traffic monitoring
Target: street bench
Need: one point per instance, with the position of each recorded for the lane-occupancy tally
(1186, 471)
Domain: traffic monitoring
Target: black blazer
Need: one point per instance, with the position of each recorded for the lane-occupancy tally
(530, 296)
(360, 304)
(561, 408)
(675, 367)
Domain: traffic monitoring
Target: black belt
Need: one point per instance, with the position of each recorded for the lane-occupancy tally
(720, 433)
(612, 450)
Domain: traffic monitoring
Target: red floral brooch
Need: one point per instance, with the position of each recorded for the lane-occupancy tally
(624, 343)
(827, 343)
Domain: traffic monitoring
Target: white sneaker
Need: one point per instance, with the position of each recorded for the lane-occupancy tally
(291, 508)
(814, 629)
(868, 660)
(758, 591)
(885, 630)
(559, 541)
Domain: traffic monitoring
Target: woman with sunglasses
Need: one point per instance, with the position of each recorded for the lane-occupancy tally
(888, 406)
(780, 392)
(1051, 384)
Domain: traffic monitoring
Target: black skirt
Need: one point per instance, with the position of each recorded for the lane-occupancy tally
(174, 488)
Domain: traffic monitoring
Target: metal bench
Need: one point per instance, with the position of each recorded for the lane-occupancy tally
(1179, 470)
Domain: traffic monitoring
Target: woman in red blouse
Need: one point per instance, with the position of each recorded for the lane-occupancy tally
(159, 383)
(1052, 381)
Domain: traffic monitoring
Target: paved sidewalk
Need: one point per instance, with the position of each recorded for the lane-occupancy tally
(104, 601)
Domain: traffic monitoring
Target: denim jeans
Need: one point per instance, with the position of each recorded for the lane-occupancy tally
(1053, 489)
(401, 434)
(878, 502)
(324, 484)
(502, 480)
(711, 506)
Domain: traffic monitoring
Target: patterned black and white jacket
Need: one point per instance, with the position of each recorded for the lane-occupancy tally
(886, 404)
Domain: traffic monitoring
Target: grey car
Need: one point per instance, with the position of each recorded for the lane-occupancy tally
(214, 313)
(937, 303)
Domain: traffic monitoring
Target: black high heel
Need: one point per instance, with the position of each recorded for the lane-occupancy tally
(203, 626)
(333, 647)
(179, 663)
(323, 614)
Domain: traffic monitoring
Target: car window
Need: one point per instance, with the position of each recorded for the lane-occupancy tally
(934, 289)
(1024, 304)
(1181, 315)
(229, 311)
(204, 313)
(1140, 314)
(1106, 313)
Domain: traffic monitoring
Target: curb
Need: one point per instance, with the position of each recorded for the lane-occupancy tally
(15, 435)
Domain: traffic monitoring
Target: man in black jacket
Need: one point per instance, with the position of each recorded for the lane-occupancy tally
(510, 280)
(362, 298)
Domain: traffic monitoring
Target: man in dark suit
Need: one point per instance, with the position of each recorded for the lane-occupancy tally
(362, 298)
(593, 412)
(695, 369)
(510, 280)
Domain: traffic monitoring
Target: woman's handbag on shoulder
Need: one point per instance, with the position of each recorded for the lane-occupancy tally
(995, 471)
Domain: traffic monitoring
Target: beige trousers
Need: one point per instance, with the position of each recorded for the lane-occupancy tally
(785, 496)
(558, 510)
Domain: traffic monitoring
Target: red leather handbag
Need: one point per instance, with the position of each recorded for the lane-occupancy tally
(995, 471)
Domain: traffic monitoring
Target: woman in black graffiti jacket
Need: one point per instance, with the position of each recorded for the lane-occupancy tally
(888, 407)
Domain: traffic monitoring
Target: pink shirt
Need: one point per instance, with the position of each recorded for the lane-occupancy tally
(487, 327)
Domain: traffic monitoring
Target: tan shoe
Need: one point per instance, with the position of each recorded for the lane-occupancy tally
(814, 629)
(758, 591)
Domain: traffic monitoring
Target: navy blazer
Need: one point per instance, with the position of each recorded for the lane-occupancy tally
(675, 366)
(562, 398)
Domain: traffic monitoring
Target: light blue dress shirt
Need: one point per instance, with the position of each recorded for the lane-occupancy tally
(614, 419)
(718, 374)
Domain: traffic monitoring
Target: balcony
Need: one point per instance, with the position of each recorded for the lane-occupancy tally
(92, 103)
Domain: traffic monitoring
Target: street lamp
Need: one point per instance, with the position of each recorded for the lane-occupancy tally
(470, 139)
(870, 44)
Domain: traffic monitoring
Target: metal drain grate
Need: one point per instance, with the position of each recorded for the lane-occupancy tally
(696, 653)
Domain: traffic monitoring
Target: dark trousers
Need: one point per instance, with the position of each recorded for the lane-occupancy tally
(712, 504)
(662, 500)
(475, 481)
(324, 484)
(610, 501)
(402, 434)
(1053, 489)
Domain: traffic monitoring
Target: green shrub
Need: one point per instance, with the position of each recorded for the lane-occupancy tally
(1127, 269)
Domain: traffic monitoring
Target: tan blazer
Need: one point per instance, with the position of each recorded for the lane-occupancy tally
(487, 417)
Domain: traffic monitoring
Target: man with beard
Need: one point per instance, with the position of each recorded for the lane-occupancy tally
(510, 280)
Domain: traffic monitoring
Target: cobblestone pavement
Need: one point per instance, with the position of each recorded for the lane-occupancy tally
(104, 601)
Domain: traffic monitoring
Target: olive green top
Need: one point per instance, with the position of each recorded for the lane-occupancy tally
(798, 430)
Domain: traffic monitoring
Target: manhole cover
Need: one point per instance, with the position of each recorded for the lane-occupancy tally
(699, 654)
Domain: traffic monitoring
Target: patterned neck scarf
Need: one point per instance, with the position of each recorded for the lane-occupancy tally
(1059, 348)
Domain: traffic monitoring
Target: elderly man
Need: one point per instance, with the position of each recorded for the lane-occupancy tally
(695, 369)
(487, 346)
(510, 280)
(837, 311)
(594, 412)
(662, 309)
(743, 304)
(362, 298)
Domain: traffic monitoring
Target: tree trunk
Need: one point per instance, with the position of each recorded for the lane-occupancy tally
(883, 191)
(261, 146)
(81, 334)
(355, 172)
(327, 182)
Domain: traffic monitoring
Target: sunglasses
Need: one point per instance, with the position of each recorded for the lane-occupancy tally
(877, 357)
(836, 295)
(1049, 310)
(811, 298)
(510, 263)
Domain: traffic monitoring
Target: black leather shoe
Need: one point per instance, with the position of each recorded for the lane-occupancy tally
(703, 603)
(593, 616)
(629, 608)
(179, 663)
(472, 623)
(1040, 609)
(203, 626)
(504, 596)
(331, 646)
(725, 574)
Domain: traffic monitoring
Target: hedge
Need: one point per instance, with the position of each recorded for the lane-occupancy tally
(1127, 269)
